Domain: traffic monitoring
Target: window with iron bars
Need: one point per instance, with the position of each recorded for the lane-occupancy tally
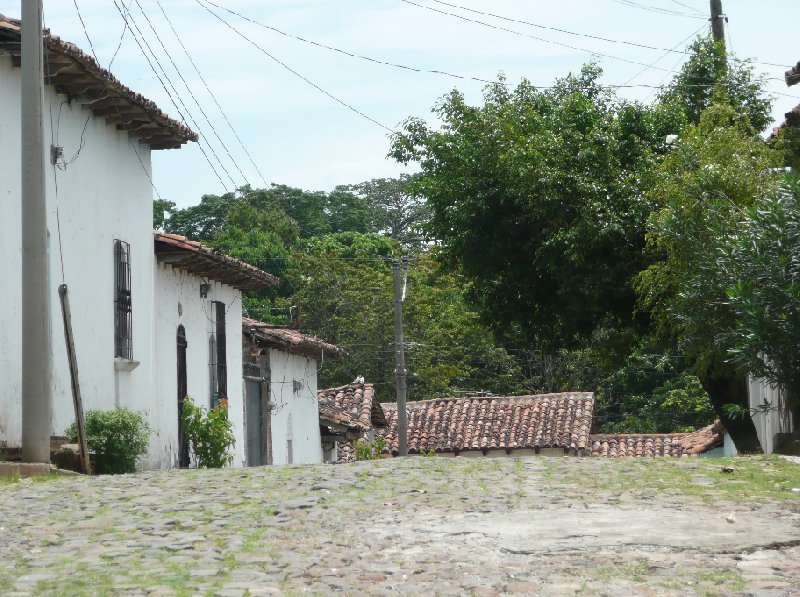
(123, 317)
(218, 371)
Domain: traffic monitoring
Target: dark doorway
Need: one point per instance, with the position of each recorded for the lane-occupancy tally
(253, 421)
(183, 445)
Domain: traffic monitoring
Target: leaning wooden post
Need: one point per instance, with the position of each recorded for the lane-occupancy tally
(76, 386)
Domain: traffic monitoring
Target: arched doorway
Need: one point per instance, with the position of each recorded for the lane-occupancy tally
(183, 445)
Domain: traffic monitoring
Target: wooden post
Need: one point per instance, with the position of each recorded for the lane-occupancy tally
(76, 386)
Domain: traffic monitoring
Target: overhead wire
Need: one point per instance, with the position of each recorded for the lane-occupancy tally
(692, 8)
(132, 143)
(521, 34)
(352, 54)
(575, 33)
(211, 93)
(192, 95)
(293, 71)
(680, 43)
(556, 29)
(658, 9)
(127, 16)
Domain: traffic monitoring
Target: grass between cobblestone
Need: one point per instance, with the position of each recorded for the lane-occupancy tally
(202, 532)
(762, 477)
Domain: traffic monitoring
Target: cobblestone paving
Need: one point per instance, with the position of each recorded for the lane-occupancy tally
(421, 526)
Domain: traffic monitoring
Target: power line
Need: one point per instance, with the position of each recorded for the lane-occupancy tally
(680, 43)
(353, 54)
(188, 89)
(211, 93)
(164, 86)
(657, 9)
(557, 29)
(575, 33)
(116, 107)
(519, 33)
(294, 72)
(692, 8)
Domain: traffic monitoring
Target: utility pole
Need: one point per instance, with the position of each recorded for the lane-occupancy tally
(36, 353)
(717, 21)
(400, 362)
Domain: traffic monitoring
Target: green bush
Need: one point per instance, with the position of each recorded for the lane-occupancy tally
(209, 433)
(370, 450)
(117, 437)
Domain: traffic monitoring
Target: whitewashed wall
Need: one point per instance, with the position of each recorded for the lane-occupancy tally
(177, 303)
(295, 415)
(771, 422)
(103, 194)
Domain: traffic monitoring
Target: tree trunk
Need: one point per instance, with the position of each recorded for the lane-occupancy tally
(730, 388)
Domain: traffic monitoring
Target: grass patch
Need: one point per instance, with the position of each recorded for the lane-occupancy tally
(756, 478)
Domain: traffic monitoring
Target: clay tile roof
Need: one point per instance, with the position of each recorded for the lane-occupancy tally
(658, 444)
(201, 260)
(287, 338)
(793, 75)
(354, 406)
(495, 423)
(76, 74)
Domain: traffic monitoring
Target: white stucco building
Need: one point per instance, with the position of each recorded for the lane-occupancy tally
(772, 417)
(281, 403)
(154, 317)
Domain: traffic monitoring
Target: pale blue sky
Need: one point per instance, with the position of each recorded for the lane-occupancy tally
(301, 137)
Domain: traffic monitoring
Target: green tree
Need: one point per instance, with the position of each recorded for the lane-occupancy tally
(709, 74)
(396, 209)
(161, 209)
(761, 267)
(715, 173)
(538, 196)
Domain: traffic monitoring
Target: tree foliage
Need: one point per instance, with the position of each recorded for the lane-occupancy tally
(718, 170)
(538, 196)
(710, 75)
(760, 265)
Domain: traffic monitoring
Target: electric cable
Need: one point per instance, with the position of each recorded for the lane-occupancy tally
(521, 34)
(293, 71)
(164, 85)
(211, 93)
(188, 89)
(132, 144)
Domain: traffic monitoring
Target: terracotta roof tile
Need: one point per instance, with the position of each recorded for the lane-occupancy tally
(202, 260)
(354, 405)
(658, 444)
(289, 338)
(496, 423)
(76, 74)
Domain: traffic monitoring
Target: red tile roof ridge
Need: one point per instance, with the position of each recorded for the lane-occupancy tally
(239, 274)
(530, 421)
(181, 132)
(352, 404)
(510, 399)
(658, 444)
(290, 338)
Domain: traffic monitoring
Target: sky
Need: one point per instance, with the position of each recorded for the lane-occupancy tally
(312, 117)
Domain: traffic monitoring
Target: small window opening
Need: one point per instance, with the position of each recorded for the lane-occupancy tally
(123, 314)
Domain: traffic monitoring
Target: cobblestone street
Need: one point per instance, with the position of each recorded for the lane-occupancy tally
(422, 526)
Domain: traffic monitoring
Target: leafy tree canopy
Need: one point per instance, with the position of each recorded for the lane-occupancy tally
(710, 74)
(539, 197)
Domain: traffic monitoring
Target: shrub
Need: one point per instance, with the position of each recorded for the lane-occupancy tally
(370, 450)
(209, 433)
(117, 437)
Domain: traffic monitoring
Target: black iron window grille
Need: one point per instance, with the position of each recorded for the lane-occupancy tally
(123, 318)
(218, 358)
